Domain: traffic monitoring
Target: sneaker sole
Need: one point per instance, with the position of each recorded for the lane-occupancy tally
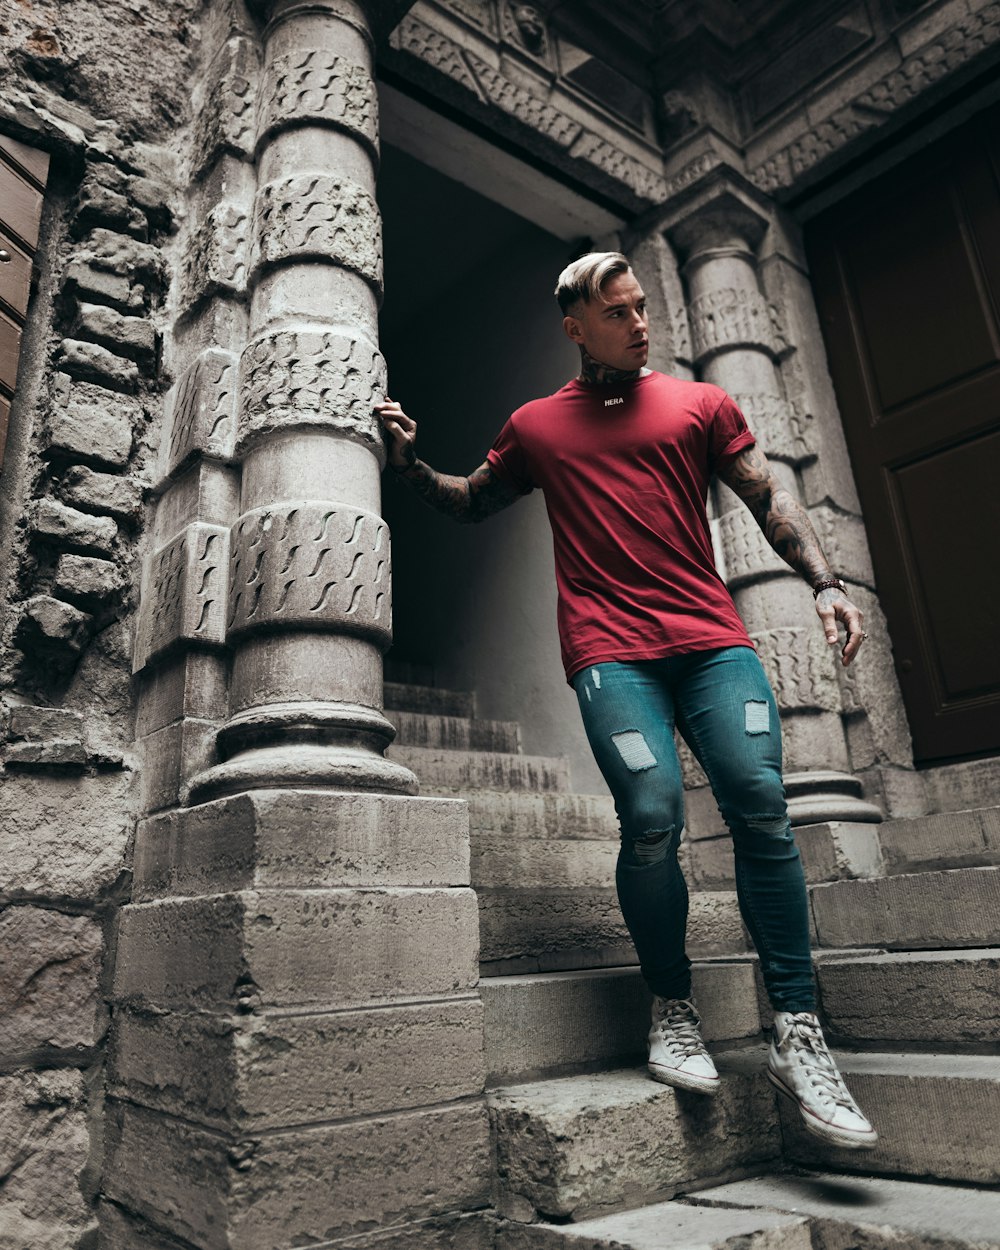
(819, 1128)
(681, 1080)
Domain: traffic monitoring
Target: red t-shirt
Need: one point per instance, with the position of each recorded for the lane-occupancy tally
(625, 469)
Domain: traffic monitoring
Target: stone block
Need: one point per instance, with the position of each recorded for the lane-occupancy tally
(64, 837)
(455, 771)
(95, 432)
(39, 724)
(68, 527)
(310, 948)
(575, 1145)
(936, 1116)
(911, 912)
(202, 411)
(967, 839)
(94, 363)
(302, 839)
(134, 337)
(171, 756)
(44, 1151)
(49, 992)
(271, 1070)
(456, 733)
(839, 849)
(958, 787)
(103, 202)
(192, 684)
(87, 282)
(709, 864)
(120, 497)
(88, 580)
(51, 631)
(552, 928)
(119, 254)
(299, 1186)
(943, 997)
(529, 863)
(406, 697)
(522, 814)
(54, 753)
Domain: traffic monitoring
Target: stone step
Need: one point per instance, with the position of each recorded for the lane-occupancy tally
(936, 1115)
(546, 930)
(578, 1145)
(456, 733)
(500, 861)
(554, 1023)
(404, 697)
(878, 1213)
(834, 850)
(968, 839)
(667, 1226)
(942, 998)
(522, 814)
(451, 773)
(913, 911)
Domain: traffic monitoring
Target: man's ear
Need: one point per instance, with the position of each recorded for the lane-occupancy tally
(574, 329)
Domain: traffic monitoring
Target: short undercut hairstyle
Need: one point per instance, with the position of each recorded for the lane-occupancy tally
(584, 279)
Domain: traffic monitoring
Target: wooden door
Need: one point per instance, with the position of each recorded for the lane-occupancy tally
(23, 171)
(907, 277)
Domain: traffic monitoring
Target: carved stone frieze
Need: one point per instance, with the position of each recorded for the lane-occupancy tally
(318, 86)
(524, 105)
(783, 431)
(967, 36)
(203, 411)
(681, 331)
(319, 215)
(216, 256)
(524, 27)
(482, 13)
(184, 592)
(435, 49)
(608, 157)
(746, 553)
(733, 317)
(800, 666)
(310, 377)
(226, 120)
(312, 565)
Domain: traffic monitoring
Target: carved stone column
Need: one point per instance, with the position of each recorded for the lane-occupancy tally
(310, 600)
(737, 342)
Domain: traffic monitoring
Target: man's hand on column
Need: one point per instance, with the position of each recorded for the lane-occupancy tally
(833, 606)
(402, 432)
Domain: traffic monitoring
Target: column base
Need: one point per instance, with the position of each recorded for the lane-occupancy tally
(816, 797)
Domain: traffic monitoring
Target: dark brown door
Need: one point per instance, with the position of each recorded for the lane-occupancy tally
(907, 278)
(23, 172)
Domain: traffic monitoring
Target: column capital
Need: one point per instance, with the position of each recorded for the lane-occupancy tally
(375, 18)
(722, 218)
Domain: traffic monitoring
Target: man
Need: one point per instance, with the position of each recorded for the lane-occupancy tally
(651, 640)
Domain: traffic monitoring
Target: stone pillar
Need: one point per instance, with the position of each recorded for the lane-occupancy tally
(736, 343)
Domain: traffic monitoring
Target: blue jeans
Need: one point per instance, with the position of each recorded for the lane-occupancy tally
(723, 706)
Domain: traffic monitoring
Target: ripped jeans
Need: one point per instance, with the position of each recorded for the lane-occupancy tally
(723, 706)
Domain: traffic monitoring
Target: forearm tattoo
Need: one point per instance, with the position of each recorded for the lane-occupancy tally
(472, 498)
(779, 514)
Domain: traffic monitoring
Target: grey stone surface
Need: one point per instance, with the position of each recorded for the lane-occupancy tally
(429, 700)
(912, 911)
(43, 1136)
(88, 580)
(64, 837)
(945, 840)
(49, 992)
(668, 1226)
(268, 1070)
(308, 948)
(95, 431)
(39, 724)
(270, 1189)
(547, 863)
(304, 838)
(574, 1145)
(171, 755)
(133, 337)
(91, 535)
(523, 814)
(456, 771)
(94, 363)
(120, 497)
(51, 629)
(892, 1213)
(420, 729)
(949, 998)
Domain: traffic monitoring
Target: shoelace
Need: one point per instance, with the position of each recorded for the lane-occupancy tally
(677, 1020)
(816, 1061)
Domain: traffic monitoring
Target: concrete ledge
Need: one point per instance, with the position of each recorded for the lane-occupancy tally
(302, 838)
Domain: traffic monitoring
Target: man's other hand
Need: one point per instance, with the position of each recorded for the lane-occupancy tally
(401, 431)
(833, 606)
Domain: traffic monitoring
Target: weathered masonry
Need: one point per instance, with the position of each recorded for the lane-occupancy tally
(303, 946)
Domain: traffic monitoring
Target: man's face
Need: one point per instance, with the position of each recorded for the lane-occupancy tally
(613, 329)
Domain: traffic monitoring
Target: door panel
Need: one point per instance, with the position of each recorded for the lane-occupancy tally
(907, 279)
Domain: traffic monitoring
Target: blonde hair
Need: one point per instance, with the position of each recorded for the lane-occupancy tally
(584, 278)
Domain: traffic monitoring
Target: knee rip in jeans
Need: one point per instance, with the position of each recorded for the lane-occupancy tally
(757, 717)
(634, 750)
(653, 846)
(770, 826)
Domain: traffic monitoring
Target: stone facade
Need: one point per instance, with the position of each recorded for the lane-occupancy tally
(199, 815)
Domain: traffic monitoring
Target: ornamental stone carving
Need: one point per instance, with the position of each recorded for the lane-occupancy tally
(842, 537)
(216, 256)
(184, 592)
(522, 104)
(611, 160)
(783, 431)
(319, 87)
(311, 377)
(524, 26)
(801, 667)
(319, 215)
(203, 412)
(746, 553)
(480, 12)
(733, 317)
(311, 565)
(434, 49)
(226, 120)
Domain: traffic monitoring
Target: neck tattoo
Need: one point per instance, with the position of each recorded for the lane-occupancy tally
(592, 370)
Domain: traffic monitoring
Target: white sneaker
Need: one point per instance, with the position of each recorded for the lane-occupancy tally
(677, 1055)
(801, 1066)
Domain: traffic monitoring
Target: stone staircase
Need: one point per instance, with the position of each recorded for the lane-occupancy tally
(589, 1152)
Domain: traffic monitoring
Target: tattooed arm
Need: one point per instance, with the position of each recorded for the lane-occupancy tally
(787, 527)
(472, 498)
